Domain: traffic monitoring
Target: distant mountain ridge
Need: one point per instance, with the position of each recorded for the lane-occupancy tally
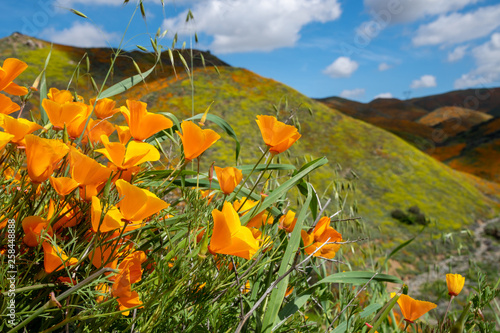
(460, 128)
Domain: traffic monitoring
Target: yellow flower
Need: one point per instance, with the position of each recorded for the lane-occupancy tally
(228, 178)
(196, 140)
(229, 236)
(287, 222)
(11, 69)
(277, 135)
(455, 284)
(127, 157)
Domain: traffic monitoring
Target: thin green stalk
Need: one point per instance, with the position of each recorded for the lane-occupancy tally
(256, 183)
(253, 169)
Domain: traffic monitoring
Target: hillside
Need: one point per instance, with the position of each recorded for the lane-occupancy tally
(459, 128)
(388, 173)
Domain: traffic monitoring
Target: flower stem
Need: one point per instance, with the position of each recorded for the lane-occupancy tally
(254, 167)
(446, 313)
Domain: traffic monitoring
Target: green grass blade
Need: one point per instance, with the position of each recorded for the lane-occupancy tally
(357, 277)
(278, 294)
(125, 85)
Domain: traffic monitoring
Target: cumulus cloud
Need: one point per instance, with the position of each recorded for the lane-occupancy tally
(487, 58)
(383, 66)
(81, 35)
(426, 81)
(458, 53)
(392, 11)
(383, 95)
(355, 93)
(341, 67)
(458, 28)
(254, 25)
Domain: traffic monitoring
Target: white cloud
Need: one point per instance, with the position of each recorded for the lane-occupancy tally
(383, 95)
(384, 66)
(355, 93)
(254, 25)
(80, 34)
(458, 53)
(341, 67)
(396, 11)
(487, 58)
(426, 81)
(458, 28)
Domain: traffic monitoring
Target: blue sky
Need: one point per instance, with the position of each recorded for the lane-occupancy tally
(354, 49)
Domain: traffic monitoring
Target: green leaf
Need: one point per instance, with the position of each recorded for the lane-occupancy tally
(245, 169)
(278, 294)
(225, 126)
(357, 277)
(293, 306)
(43, 88)
(125, 85)
(383, 312)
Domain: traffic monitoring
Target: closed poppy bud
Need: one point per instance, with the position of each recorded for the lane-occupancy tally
(229, 178)
(455, 284)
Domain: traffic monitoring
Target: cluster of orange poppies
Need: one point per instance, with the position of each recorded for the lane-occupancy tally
(76, 175)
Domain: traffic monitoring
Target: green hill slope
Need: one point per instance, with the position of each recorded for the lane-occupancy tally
(390, 173)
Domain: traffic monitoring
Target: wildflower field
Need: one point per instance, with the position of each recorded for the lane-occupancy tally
(104, 229)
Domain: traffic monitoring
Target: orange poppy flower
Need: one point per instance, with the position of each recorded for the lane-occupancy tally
(33, 227)
(95, 129)
(85, 170)
(142, 123)
(127, 157)
(54, 258)
(105, 108)
(137, 203)
(11, 69)
(322, 234)
(229, 236)
(7, 106)
(413, 309)
(130, 272)
(277, 135)
(17, 127)
(63, 185)
(228, 178)
(5, 139)
(196, 140)
(287, 222)
(455, 284)
(112, 219)
(123, 134)
(43, 156)
(60, 96)
(72, 114)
